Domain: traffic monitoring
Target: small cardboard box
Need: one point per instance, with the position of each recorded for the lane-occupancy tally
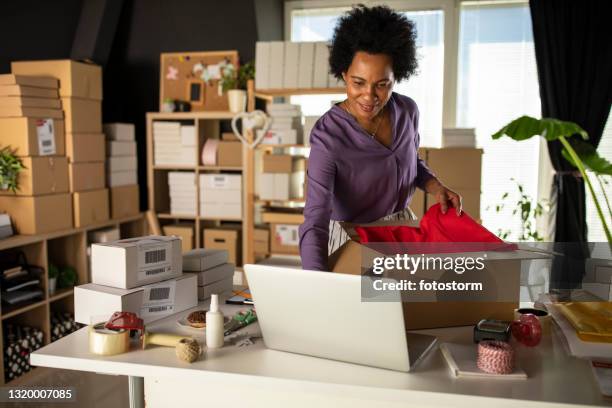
(183, 231)
(459, 168)
(82, 115)
(96, 303)
(277, 163)
(215, 274)
(285, 239)
(43, 81)
(124, 201)
(350, 259)
(40, 214)
(219, 287)
(261, 242)
(120, 131)
(129, 263)
(120, 148)
(85, 147)
(86, 176)
(31, 91)
(122, 178)
(229, 137)
(229, 154)
(42, 175)
(32, 136)
(90, 207)
(122, 163)
(228, 239)
(203, 259)
(76, 79)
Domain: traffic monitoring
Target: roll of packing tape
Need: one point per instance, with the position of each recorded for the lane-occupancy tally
(495, 357)
(105, 342)
(542, 315)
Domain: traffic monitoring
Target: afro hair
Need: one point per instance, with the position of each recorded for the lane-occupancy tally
(375, 30)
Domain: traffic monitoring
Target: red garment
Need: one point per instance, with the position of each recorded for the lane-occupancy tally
(438, 227)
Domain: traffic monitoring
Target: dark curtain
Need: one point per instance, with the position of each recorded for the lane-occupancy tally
(573, 46)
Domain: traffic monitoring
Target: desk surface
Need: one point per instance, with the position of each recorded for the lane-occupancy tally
(554, 377)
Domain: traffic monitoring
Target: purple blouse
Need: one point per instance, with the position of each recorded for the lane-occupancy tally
(353, 177)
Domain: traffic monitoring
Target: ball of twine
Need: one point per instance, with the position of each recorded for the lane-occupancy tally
(188, 350)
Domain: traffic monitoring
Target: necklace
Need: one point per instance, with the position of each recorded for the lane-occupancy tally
(380, 116)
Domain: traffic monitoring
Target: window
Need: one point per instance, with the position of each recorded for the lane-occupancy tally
(595, 228)
(497, 82)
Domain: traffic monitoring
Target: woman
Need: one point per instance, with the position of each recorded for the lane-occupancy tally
(363, 163)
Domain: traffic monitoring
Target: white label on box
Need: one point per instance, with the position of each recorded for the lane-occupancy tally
(158, 299)
(288, 235)
(45, 132)
(219, 181)
(154, 259)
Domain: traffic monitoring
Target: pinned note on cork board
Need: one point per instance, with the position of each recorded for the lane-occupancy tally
(195, 77)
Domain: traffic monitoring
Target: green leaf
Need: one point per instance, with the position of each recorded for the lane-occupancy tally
(526, 127)
(590, 158)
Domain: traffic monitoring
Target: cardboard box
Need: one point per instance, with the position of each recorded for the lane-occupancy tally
(423, 315)
(120, 131)
(228, 239)
(202, 259)
(20, 111)
(285, 239)
(82, 115)
(277, 163)
(229, 154)
(124, 163)
(282, 218)
(43, 81)
(261, 242)
(32, 136)
(76, 79)
(29, 102)
(120, 148)
(86, 176)
(219, 287)
(122, 178)
(85, 147)
(42, 175)
(229, 137)
(39, 214)
(152, 302)
(124, 201)
(184, 231)
(21, 90)
(215, 274)
(90, 207)
(458, 168)
(129, 263)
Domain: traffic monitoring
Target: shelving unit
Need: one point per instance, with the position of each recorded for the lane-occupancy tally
(207, 125)
(63, 248)
(250, 199)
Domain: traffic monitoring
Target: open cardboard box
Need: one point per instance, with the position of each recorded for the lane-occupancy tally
(355, 258)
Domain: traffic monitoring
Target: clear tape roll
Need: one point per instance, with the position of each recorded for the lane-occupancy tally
(105, 342)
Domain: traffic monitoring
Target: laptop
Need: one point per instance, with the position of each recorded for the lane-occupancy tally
(321, 314)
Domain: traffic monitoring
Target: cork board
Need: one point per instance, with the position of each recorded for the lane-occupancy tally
(194, 77)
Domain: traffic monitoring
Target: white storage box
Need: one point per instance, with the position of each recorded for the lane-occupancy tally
(96, 303)
(119, 131)
(202, 259)
(129, 263)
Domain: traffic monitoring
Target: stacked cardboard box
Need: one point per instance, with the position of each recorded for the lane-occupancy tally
(80, 89)
(122, 169)
(182, 187)
(284, 234)
(221, 196)
(282, 177)
(215, 275)
(286, 125)
(31, 125)
(139, 275)
(174, 144)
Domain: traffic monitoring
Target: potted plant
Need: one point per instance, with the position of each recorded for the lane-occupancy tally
(53, 273)
(10, 166)
(68, 277)
(579, 153)
(234, 83)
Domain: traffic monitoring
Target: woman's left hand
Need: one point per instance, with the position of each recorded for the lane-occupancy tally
(443, 195)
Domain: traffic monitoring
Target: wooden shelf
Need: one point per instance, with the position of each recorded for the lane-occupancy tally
(174, 167)
(220, 168)
(61, 293)
(166, 216)
(267, 93)
(211, 115)
(220, 219)
(10, 311)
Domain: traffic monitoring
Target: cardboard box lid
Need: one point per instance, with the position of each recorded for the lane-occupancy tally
(28, 80)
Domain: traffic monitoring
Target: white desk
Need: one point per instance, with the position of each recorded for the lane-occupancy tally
(254, 376)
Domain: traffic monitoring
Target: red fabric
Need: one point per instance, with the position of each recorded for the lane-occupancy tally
(437, 227)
